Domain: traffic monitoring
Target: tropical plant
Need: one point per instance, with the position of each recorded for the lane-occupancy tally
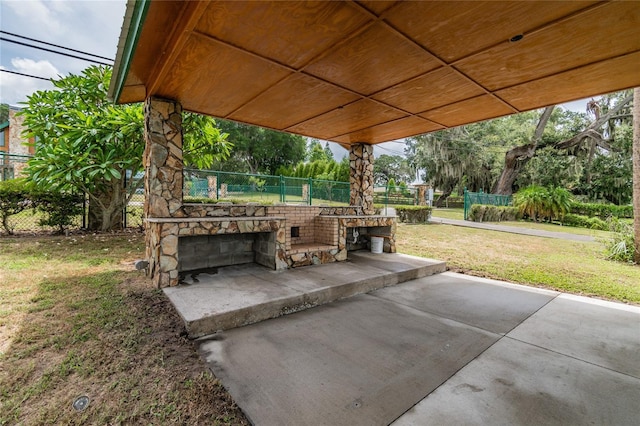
(538, 202)
(85, 144)
(532, 201)
(621, 247)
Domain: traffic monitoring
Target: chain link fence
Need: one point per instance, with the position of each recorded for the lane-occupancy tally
(217, 186)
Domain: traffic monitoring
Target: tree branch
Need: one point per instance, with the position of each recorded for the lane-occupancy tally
(590, 132)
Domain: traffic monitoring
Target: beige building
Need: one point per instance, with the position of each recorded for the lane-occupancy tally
(14, 148)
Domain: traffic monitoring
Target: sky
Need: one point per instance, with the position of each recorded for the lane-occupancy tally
(91, 26)
(85, 25)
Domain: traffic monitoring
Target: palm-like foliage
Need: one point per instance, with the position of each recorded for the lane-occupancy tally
(538, 202)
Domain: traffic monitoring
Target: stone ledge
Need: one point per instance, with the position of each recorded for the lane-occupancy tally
(363, 217)
(306, 248)
(211, 219)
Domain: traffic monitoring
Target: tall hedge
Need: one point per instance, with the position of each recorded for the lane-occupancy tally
(14, 198)
(58, 208)
(602, 211)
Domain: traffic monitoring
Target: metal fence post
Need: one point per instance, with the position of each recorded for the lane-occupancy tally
(217, 185)
(466, 203)
(310, 191)
(282, 189)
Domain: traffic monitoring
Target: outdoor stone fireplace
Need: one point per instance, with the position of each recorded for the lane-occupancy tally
(182, 237)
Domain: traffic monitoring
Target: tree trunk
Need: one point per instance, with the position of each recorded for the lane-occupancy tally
(517, 157)
(105, 209)
(446, 192)
(636, 173)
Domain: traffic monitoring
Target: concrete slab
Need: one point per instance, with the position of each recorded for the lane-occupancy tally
(603, 333)
(245, 294)
(492, 305)
(358, 361)
(402, 266)
(437, 355)
(515, 383)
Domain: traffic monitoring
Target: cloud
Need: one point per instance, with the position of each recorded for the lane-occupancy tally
(15, 88)
(39, 14)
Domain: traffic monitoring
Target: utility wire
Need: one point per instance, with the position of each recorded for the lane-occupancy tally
(54, 51)
(25, 75)
(55, 45)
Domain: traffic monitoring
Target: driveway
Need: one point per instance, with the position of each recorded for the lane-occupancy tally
(512, 229)
(445, 349)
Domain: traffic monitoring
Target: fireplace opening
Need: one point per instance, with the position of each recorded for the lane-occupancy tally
(205, 252)
(295, 231)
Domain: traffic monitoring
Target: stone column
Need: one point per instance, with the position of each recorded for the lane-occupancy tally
(212, 184)
(163, 158)
(422, 194)
(361, 177)
(162, 186)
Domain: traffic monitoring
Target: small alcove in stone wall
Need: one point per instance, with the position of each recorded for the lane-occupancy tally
(203, 252)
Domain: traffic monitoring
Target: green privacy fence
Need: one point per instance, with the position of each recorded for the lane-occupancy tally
(471, 198)
(223, 186)
(263, 188)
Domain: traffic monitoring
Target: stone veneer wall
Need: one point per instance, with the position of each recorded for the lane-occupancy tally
(168, 219)
(162, 161)
(361, 177)
(389, 222)
(163, 158)
(16, 142)
(163, 235)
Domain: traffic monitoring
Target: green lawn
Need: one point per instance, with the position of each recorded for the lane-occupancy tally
(574, 267)
(458, 214)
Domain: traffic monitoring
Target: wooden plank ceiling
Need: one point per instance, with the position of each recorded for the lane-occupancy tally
(374, 71)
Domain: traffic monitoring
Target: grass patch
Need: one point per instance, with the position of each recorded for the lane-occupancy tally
(569, 266)
(457, 214)
(76, 320)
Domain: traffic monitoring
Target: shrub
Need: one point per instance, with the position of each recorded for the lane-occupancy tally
(413, 214)
(538, 202)
(14, 198)
(602, 211)
(59, 208)
(486, 213)
(621, 248)
(584, 222)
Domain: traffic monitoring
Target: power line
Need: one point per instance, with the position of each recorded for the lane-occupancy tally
(25, 75)
(54, 51)
(55, 45)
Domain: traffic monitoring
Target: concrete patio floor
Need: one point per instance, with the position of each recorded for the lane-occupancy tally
(443, 349)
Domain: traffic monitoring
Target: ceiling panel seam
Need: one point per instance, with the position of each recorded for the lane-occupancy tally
(175, 42)
(532, 31)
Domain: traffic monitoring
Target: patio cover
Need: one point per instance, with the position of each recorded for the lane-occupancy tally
(374, 71)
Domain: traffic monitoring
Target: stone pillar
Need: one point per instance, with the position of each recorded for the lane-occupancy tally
(422, 194)
(163, 158)
(361, 177)
(212, 184)
(162, 185)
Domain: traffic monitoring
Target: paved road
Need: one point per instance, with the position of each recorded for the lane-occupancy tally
(513, 229)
